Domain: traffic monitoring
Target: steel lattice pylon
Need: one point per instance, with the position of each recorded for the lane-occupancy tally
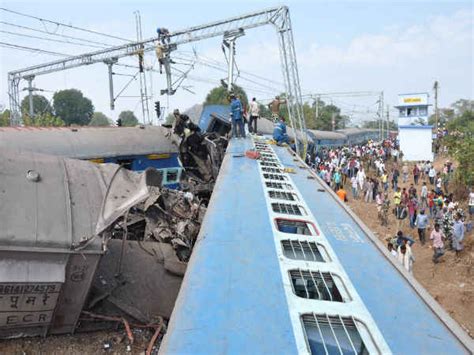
(277, 16)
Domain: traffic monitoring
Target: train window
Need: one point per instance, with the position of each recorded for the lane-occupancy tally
(293, 227)
(172, 176)
(282, 195)
(278, 185)
(275, 177)
(271, 170)
(287, 208)
(335, 335)
(316, 285)
(269, 164)
(302, 250)
(125, 163)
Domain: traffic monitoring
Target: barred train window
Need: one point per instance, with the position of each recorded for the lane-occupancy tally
(274, 177)
(336, 335)
(278, 185)
(303, 250)
(286, 208)
(268, 164)
(316, 285)
(281, 195)
(271, 170)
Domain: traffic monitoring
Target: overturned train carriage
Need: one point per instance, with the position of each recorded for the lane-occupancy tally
(135, 148)
(52, 214)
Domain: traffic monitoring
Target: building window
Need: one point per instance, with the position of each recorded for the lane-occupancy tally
(286, 208)
(334, 335)
(302, 250)
(293, 227)
(316, 285)
(423, 111)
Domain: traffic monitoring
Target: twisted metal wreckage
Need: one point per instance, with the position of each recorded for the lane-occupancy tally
(85, 245)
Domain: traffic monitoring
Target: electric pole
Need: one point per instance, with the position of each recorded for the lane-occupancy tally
(316, 113)
(435, 88)
(388, 121)
(31, 90)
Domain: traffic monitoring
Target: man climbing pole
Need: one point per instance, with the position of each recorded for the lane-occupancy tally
(274, 106)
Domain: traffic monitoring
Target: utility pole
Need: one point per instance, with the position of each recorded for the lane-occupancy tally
(388, 121)
(316, 113)
(142, 75)
(333, 121)
(110, 63)
(31, 90)
(229, 42)
(435, 88)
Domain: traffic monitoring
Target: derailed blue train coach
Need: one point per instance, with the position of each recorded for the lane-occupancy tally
(135, 148)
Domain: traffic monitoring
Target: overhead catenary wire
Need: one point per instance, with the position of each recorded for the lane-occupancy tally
(65, 25)
(50, 39)
(273, 89)
(104, 45)
(31, 49)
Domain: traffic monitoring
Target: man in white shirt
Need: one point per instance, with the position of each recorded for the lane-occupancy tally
(254, 114)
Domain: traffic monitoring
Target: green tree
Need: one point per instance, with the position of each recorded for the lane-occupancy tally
(128, 119)
(73, 107)
(326, 114)
(460, 143)
(43, 120)
(5, 118)
(463, 105)
(40, 105)
(220, 96)
(99, 119)
(445, 115)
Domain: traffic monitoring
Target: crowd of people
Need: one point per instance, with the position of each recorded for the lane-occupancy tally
(374, 173)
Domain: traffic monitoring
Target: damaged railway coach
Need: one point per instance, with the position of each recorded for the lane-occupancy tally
(59, 218)
(135, 148)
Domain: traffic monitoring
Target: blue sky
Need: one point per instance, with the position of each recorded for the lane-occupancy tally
(392, 46)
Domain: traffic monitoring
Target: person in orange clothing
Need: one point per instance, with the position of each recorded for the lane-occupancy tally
(342, 194)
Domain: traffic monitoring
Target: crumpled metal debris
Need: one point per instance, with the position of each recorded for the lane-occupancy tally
(167, 216)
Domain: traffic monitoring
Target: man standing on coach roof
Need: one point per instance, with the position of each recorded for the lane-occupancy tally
(254, 114)
(238, 128)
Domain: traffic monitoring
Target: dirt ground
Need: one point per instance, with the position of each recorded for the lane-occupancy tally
(450, 282)
(101, 342)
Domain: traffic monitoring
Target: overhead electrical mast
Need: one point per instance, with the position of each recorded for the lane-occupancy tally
(279, 17)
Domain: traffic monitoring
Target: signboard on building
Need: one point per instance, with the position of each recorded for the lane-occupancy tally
(413, 99)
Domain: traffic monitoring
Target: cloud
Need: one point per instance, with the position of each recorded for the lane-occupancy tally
(399, 46)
